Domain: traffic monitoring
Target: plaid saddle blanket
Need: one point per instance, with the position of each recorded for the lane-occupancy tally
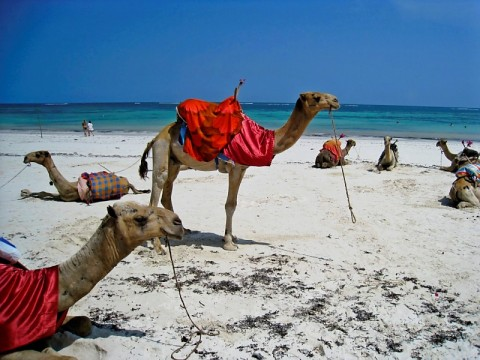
(101, 186)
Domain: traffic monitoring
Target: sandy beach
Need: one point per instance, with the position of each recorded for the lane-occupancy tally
(306, 281)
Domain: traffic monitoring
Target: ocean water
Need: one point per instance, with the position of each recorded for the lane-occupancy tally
(354, 120)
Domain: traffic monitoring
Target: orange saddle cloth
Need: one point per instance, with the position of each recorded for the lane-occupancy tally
(210, 126)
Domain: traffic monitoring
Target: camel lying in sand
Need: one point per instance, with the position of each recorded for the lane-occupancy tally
(67, 190)
(389, 156)
(126, 226)
(168, 157)
(466, 156)
(465, 190)
(327, 159)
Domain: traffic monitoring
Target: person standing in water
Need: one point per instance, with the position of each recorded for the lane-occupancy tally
(85, 128)
(90, 128)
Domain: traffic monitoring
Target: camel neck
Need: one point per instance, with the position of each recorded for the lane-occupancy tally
(292, 130)
(79, 274)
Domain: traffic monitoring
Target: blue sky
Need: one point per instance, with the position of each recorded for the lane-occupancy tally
(387, 52)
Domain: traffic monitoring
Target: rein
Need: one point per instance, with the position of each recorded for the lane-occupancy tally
(199, 330)
(15, 175)
(352, 215)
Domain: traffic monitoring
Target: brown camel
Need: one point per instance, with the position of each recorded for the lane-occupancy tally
(326, 159)
(458, 160)
(168, 157)
(67, 190)
(126, 226)
(465, 193)
(389, 157)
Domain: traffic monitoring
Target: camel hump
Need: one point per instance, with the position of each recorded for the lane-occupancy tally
(211, 126)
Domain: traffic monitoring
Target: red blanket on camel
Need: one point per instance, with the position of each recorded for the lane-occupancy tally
(28, 305)
(213, 128)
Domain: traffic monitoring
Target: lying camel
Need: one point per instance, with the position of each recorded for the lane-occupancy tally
(168, 157)
(327, 159)
(126, 226)
(465, 190)
(67, 190)
(464, 157)
(389, 157)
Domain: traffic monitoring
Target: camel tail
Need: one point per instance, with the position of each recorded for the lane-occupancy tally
(143, 168)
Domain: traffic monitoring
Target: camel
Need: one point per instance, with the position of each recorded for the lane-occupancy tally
(465, 190)
(168, 157)
(458, 160)
(67, 190)
(326, 159)
(389, 157)
(127, 225)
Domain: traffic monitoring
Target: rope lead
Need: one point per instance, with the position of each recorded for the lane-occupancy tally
(352, 215)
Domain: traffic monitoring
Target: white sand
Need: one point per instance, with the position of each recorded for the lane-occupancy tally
(306, 282)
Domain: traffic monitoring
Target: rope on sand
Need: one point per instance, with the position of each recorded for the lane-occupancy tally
(15, 175)
(199, 330)
(116, 172)
(352, 215)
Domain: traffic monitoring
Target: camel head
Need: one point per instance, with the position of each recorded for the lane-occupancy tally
(136, 223)
(37, 157)
(351, 143)
(313, 102)
(386, 140)
(441, 142)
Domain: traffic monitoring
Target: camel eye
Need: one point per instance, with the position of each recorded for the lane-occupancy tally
(141, 220)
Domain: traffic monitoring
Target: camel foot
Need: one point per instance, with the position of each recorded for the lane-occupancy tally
(229, 243)
(78, 325)
(25, 193)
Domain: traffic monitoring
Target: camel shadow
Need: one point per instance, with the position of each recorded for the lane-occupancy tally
(198, 239)
(445, 201)
(63, 339)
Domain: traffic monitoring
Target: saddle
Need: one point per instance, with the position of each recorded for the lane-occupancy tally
(222, 131)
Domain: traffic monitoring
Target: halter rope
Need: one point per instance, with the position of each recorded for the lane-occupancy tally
(199, 331)
(352, 215)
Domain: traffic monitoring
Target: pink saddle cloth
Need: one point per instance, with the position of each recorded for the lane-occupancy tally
(252, 146)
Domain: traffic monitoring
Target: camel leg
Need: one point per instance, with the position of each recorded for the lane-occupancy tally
(78, 325)
(235, 177)
(136, 191)
(173, 170)
(47, 354)
(160, 156)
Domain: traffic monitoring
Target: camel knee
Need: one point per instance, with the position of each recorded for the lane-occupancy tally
(78, 325)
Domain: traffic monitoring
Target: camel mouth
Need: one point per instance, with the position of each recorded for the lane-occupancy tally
(334, 104)
(175, 231)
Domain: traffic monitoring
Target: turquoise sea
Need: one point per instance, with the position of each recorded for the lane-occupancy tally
(452, 123)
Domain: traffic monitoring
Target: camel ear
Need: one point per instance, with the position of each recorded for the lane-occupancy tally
(111, 212)
(303, 96)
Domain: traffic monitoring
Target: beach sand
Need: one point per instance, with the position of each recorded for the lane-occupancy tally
(306, 281)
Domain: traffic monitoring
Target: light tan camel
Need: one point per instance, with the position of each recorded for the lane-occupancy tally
(67, 190)
(389, 157)
(126, 226)
(465, 193)
(325, 158)
(458, 160)
(168, 157)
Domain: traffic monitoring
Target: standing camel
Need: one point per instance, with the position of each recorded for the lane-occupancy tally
(458, 160)
(67, 190)
(326, 158)
(168, 157)
(389, 157)
(126, 226)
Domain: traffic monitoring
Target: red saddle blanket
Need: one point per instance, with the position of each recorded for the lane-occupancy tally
(333, 146)
(28, 305)
(252, 146)
(211, 126)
